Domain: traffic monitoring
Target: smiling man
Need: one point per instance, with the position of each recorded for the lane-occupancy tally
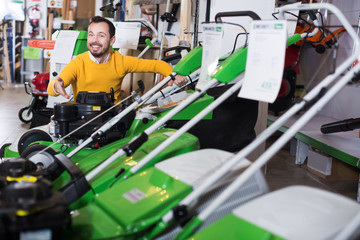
(100, 69)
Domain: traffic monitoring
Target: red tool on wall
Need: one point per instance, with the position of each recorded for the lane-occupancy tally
(33, 13)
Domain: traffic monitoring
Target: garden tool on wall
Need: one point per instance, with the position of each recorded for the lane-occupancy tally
(33, 13)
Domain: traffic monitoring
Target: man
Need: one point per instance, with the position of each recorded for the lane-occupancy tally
(100, 69)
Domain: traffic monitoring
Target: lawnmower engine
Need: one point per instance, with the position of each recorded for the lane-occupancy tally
(29, 208)
(71, 115)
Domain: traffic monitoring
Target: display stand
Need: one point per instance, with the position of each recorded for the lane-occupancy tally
(38, 63)
(342, 146)
(325, 153)
(6, 58)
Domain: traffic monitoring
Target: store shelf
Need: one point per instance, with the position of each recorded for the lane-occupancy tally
(29, 66)
(343, 145)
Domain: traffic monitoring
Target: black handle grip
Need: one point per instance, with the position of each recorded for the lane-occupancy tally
(112, 95)
(251, 14)
(28, 88)
(182, 215)
(177, 49)
(135, 144)
(341, 126)
(141, 86)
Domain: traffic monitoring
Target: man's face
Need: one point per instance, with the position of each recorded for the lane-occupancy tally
(99, 40)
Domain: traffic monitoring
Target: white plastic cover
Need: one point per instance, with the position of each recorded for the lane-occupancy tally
(193, 168)
(300, 212)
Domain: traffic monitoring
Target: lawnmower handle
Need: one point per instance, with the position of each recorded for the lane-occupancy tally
(251, 14)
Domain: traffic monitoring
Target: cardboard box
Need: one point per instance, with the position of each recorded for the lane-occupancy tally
(85, 9)
(330, 168)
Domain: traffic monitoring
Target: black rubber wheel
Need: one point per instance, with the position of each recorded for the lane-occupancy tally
(45, 160)
(42, 160)
(32, 136)
(25, 115)
(2, 149)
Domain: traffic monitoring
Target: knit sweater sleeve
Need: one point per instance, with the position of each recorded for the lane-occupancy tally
(133, 64)
(68, 75)
(50, 88)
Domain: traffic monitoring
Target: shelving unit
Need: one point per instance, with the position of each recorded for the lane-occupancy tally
(6, 69)
(9, 56)
(37, 64)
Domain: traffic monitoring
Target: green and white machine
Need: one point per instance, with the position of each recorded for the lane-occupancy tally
(11, 150)
(130, 209)
(186, 67)
(295, 212)
(85, 160)
(145, 204)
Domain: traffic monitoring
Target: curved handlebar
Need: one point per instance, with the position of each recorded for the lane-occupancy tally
(28, 88)
(177, 49)
(251, 14)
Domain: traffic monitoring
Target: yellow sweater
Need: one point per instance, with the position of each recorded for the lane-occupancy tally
(85, 75)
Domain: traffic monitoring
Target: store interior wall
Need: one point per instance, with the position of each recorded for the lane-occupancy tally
(263, 8)
(314, 66)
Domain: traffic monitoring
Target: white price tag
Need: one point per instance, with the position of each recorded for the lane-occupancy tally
(134, 195)
(64, 46)
(127, 35)
(212, 35)
(265, 61)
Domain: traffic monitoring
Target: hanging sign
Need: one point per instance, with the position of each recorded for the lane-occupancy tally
(265, 61)
(212, 35)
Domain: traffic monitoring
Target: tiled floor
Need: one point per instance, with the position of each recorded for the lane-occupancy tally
(281, 170)
(12, 99)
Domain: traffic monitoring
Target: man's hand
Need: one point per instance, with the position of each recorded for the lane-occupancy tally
(179, 81)
(60, 89)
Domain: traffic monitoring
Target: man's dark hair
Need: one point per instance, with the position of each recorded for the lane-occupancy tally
(98, 19)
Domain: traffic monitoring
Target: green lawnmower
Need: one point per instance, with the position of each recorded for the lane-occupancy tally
(154, 203)
(140, 203)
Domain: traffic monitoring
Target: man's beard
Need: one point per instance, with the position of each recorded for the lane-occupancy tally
(100, 54)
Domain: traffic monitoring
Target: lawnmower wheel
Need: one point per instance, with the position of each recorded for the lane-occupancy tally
(41, 158)
(30, 137)
(45, 160)
(25, 115)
